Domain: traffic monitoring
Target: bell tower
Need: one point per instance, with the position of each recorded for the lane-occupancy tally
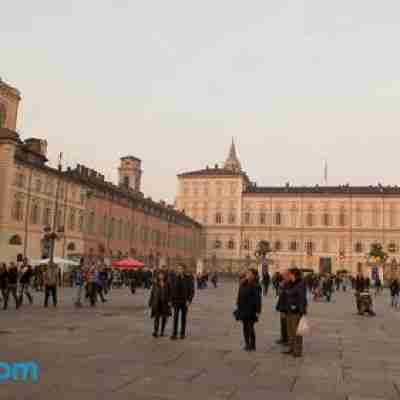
(130, 173)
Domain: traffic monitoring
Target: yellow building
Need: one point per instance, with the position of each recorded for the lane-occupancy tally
(324, 228)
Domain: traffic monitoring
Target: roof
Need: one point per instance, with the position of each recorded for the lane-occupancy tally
(211, 172)
(341, 189)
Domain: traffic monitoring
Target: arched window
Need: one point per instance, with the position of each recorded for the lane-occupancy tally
(15, 240)
(325, 219)
(35, 214)
(263, 218)
(310, 219)
(231, 244)
(232, 218)
(278, 245)
(218, 218)
(3, 115)
(358, 247)
(278, 218)
(342, 218)
(71, 246)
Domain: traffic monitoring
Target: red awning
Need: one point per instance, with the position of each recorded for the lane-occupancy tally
(128, 263)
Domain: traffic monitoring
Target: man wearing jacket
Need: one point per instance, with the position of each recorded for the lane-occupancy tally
(50, 284)
(297, 307)
(282, 307)
(25, 281)
(182, 293)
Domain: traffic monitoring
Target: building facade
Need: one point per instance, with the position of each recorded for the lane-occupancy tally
(323, 228)
(92, 217)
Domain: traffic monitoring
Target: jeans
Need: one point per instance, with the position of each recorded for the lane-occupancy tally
(182, 310)
(50, 290)
(157, 324)
(78, 298)
(284, 331)
(6, 294)
(249, 334)
(25, 289)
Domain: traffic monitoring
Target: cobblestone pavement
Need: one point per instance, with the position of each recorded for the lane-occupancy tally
(109, 353)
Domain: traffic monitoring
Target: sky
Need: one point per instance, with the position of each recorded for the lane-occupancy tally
(295, 82)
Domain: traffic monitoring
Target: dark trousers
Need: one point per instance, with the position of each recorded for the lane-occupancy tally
(295, 341)
(25, 289)
(249, 334)
(157, 324)
(284, 330)
(6, 295)
(182, 310)
(266, 287)
(50, 290)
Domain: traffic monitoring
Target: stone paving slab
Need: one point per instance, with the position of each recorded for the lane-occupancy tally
(109, 353)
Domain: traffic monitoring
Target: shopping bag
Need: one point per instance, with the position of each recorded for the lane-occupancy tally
(303, 327)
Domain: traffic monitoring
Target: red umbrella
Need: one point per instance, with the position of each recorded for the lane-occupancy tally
(128, 263)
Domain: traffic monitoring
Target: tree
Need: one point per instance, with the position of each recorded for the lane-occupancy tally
(376, 254)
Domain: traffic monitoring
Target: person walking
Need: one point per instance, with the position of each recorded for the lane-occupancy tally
(297, 307)
(25, 281)
(282, 308)
(4, 285)
(266, 280)
(160, 303)
(13, 284)
(182, 293)
(395, 292)
(79, 283)
(249, 307)
(214, 279)
(50, 278)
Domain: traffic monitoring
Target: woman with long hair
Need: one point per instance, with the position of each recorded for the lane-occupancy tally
(160, 303)
(249, 307)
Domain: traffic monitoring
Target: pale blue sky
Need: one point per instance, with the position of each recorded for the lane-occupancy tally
(170, 82)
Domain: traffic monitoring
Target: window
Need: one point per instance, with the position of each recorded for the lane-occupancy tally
(392, 216)
(358, 247)
(218, 218)
(3, 115)
(126, 181)
(71, 220)
(263, 218)
(91, 223)
(47, 216)
(217, 244)
(309, 248)
(18, 209)
(81, 221)
(60, 219)
(342, 218)
(325, 219)
(232, 218)
(278, 218)
(325, 245)
(246, 244)
(111, 228)
(278, 245)
(392, 247)
(49, 189)
(293, 245)
(119, 231)
(247, 218)
(35, 214)
(231, 244)
(82, 197)
(71, 246)
(38, 185)
(20, 180)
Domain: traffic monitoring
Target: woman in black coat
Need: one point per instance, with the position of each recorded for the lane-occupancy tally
(249, 307)
(160, 303)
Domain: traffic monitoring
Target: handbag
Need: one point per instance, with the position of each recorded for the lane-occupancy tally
(236, 314)
(304, 327)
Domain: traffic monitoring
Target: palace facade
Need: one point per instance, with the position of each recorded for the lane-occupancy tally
(324, 228)
(92, 217)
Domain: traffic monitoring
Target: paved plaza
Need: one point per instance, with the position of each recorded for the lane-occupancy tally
(109, 353)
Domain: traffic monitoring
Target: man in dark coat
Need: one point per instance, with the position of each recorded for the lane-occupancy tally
(182, 293)
(282, 307)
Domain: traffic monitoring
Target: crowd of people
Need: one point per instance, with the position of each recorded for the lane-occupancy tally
(172, 293)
